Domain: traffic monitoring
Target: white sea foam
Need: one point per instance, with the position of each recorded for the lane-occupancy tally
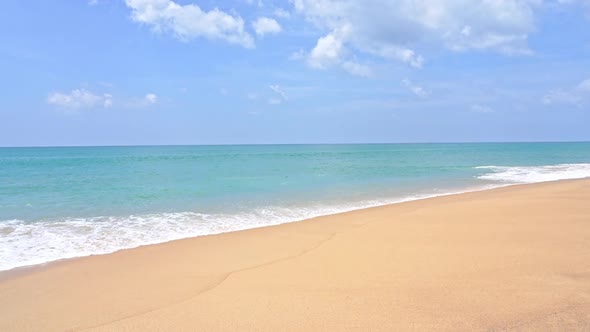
(30, 243)
(532, 174)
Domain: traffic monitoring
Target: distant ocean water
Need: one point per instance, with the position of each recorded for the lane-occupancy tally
(60, 203)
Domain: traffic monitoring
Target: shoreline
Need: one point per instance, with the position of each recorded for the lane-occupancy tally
(19, 270)
(23, 270)
(398, 260)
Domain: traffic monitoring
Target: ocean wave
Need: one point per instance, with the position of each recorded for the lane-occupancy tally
(25, 243)
(533, 174)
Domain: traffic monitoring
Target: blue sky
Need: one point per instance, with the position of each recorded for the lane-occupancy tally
(116, 72)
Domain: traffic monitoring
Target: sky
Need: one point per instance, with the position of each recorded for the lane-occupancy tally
(158, 72)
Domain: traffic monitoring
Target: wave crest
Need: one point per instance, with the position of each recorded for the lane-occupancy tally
(532, 174)
(25, 243)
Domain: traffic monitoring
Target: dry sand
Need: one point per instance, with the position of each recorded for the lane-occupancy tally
(509, 259)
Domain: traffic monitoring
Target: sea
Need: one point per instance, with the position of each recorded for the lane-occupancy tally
(64, 202)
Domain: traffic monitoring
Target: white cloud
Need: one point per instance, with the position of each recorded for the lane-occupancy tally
(281, 96)
(574, 96)
(252, 96)
(151, 98)
(393, 29)
(415, 89)
(481, 109)
(329, 51)
(187, 22)
(277, 89)
(79, 99)
(264, 25)
(148, 100)
(326, 52)
(92, 2)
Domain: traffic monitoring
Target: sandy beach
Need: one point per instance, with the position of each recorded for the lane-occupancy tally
(508, 259)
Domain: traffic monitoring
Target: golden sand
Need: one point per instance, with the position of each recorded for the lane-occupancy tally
(509, 259)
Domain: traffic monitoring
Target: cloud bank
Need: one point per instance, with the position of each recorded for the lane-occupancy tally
(396, 29)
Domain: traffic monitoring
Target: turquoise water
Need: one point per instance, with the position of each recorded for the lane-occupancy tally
(66, 202)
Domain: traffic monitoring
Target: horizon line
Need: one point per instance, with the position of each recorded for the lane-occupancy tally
(264, 144)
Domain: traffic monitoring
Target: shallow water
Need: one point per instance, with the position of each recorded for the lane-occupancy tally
(66, 202)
